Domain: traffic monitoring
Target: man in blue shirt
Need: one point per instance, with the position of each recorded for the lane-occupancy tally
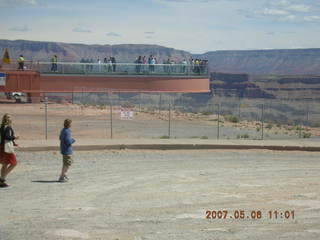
(66, 142)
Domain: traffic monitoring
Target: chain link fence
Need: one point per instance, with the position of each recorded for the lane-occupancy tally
(163, 115)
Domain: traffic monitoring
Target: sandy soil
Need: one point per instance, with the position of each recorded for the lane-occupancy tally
(163, 195)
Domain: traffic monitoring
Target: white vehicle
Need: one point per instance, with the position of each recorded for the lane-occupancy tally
(15, 95)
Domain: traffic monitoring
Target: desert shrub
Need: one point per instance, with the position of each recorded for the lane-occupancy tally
(269, 126)
(164, 137)
(306, 135)
(101, 107)
(231, 118)
(127, 105)
(243, 136)
(205, 112)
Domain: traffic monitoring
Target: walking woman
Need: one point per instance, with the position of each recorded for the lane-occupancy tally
(7, 156)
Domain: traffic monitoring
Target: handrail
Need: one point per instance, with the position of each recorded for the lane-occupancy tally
(122, 68)
(181, 69)
(120, 64)
(28, 65)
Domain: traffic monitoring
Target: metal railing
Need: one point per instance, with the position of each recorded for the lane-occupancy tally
(122, 69)
(28, 65)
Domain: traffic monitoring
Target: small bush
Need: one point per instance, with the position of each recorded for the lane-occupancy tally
(205, 112)
(242, 136)
(231, 118)
(164, 137)
(258, 129)
(127, 105)
(269, 126)
(204, 137)
(306, 135)
(101, 107)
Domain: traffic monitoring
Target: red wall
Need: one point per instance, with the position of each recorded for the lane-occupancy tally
(33, 82)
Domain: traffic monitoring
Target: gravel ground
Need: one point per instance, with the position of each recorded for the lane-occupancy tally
(163, 195)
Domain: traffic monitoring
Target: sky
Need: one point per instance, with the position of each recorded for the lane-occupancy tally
(197, 26)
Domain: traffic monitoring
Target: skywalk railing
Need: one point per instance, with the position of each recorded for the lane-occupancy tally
(122, 69)
(28, 65)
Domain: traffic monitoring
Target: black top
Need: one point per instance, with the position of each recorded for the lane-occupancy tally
(7, 133)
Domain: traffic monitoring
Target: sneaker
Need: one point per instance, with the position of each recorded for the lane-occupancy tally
(3, 185)
(63, 179)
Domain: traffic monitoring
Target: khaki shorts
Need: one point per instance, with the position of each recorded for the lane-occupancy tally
(67, 160)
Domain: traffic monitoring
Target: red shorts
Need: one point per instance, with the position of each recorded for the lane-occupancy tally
(7, 158)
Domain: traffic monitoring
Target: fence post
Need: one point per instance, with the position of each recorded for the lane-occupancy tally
(218, 123)
(46, 117)
(262, 121)
(111, 124)
(160, 100)
(308, 112)
(169, 127)
(239, 109)
(301, 120)
(140, 97)
(300, 130)
(82, 95)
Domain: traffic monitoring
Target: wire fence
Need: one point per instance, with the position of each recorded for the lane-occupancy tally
(162, 115)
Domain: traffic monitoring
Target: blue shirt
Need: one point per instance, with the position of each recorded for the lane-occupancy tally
(66, 141)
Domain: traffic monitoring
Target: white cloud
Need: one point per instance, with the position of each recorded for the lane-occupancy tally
(18, 3)
(195, 1)
(271, 33)
(295, 11)
(113, 34)
(312, 18)
(274, 12)
(299, 8)
(175, 0)
(20, 29)
(81, 29)
(290, 18)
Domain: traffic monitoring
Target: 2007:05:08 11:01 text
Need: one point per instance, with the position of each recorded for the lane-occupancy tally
(256, 214)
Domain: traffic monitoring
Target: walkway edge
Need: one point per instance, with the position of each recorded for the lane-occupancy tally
(173, 147)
